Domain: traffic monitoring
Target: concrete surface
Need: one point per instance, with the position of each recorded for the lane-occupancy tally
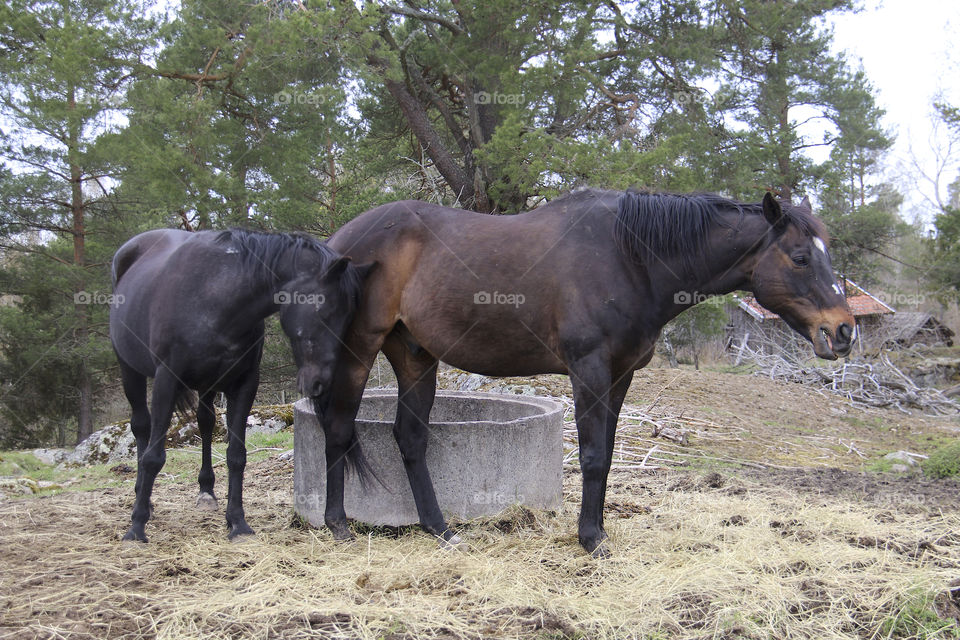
(485, 452)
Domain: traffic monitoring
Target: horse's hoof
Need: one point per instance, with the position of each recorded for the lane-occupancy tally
(341, 532)
(134, 536)
(240, 532)
(451, 543)
(596, 546)
(207, 502)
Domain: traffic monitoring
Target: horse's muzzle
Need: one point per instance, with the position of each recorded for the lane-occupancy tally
(831, 344)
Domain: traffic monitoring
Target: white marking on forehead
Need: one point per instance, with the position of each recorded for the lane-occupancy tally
(818, 243)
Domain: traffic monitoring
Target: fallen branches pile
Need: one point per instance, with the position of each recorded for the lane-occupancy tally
(652, 440)
(876, 383)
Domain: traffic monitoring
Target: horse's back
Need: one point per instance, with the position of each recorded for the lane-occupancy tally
(139, 270)
(149, 244)
(388, 226)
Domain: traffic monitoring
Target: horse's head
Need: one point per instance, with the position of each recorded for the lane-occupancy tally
(316, 308)
(793, 277)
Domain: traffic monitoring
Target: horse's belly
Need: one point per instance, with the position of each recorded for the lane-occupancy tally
(505, 348)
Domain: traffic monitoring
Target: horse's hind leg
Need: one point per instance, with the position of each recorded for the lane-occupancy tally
(206, 420)
(135, 389)
(239, 401)
(154, 454)
(417, 385)
(618, 392)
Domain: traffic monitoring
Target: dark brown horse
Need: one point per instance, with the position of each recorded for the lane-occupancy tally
(581, 286)
(190, 315)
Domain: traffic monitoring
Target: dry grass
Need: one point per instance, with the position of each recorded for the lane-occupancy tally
(694, 556)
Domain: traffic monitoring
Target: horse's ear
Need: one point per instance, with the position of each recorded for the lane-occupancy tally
(366, 269)
(773, 213)
(336, 269)
(805, 204)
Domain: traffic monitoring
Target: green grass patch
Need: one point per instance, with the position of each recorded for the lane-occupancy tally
(22, 463)
(879, 465)
(182, 465)
(873, 422)
(944, 462)
(915, 619)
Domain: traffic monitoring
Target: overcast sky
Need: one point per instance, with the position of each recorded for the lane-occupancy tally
(908, 50)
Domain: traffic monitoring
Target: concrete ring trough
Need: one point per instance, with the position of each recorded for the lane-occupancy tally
(485, 451)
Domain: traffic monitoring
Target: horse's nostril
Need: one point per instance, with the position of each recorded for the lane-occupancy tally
(317, 390)
(845, 332)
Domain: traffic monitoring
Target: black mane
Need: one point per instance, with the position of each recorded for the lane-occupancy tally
(268, 254)
(659, 225)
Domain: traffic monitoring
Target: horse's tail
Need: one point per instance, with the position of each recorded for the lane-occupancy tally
(123, 258)
(354, 457)
(186, 403)
(357, 462)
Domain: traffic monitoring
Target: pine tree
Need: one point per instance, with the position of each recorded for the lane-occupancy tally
(63, 67)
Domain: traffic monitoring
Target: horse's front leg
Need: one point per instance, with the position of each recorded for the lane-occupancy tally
(239, 402)
(339, 421)
(591, 379)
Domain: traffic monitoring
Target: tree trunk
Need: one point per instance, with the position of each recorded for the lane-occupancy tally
(82, 334)
(422, 128)
(332, 172)
(85, 414)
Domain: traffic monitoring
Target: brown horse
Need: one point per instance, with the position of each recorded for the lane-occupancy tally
(580, 286)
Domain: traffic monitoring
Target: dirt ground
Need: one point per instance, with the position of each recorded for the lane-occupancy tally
(809, 548)
(743, 418)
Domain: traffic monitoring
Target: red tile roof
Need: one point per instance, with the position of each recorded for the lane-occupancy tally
(861, 302)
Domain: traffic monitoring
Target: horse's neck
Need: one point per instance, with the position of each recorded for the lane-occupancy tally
(728, 258)
(267, 285)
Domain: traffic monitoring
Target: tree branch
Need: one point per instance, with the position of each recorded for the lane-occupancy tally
(426, 17)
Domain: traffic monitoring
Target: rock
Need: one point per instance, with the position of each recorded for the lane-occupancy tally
(471, 382)
(19, 486)
(50, 456)
(903, 457)
(122, 469)
(183, 435)
(111, 444)
(900, 468)
(286, 455)
(270, 425)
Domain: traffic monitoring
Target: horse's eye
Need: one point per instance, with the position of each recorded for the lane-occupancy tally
(801, 260)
